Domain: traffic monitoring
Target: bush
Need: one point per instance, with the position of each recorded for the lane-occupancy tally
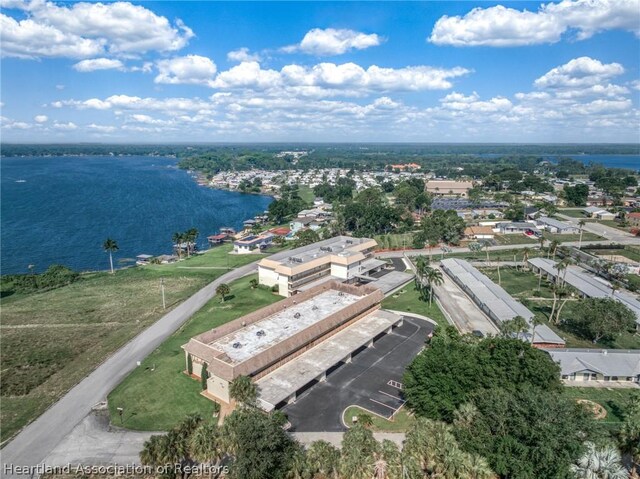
(55, 276)
(275, 288)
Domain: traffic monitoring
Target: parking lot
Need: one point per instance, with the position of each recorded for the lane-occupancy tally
(372, 381)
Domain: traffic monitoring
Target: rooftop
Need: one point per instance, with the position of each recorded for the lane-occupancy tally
(561, 225)
(254, 338)
(588, 284)
(608, 362)
(342, 246)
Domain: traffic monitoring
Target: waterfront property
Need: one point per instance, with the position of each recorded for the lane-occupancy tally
(250, 244)
(495, 302)
(585, 284)
(218, 239)
(608, 365)
(340, 257)
(555, 226)
(294, 342)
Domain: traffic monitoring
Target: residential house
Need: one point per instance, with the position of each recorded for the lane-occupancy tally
(584, 365)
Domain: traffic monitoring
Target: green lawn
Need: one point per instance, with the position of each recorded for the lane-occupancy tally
(574, 213)
(51, 340)
(626, 252)
(158, 394)
(615, 401)
(395, 241)
(521, 283)
(408, 299)
(399, 423)
(586, 236)
(515, 239)
(498, 255)
(306, 193)
(614, 224)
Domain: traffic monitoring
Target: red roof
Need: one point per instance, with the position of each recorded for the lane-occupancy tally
(633, 215)
(280, 231)
(217, 237)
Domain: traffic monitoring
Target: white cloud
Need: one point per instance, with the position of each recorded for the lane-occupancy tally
(333, 41)
(329, 78)
(500, 26)
(579, 72)
(128, 103)
(89, 29)
(29, 39)
(243, 55)
(101, 128)
(94, 64)
(65, 126)
(41, 118)
(191, 69)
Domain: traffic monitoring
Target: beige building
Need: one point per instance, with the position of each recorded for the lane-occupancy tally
(259, 344)
(342, 258)
(449, 188)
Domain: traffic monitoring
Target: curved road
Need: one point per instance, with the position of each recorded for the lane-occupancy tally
(34, 443)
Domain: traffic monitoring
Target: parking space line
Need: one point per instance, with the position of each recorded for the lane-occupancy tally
(391, 396)
(383, 404)
(394, 384)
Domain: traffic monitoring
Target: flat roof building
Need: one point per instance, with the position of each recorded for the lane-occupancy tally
(495, 302)
(553, 225)
(586, 284)
(581, 365)
(342, 257)
(449, 188)
(265, 341)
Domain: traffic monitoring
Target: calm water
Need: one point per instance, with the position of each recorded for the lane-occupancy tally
(68, 206)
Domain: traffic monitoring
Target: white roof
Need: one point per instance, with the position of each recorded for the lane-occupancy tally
(561, 225)
(588, 284)
(608, 362)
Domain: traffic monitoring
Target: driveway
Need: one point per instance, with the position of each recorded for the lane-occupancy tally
(371, 381)
(36, 441)
(461, 309)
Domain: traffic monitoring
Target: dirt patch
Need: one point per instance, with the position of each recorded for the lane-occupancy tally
(599, 412)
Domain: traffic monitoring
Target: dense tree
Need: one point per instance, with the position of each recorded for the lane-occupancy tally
(527, 433)
(306, 237)
(206, 445)
(450, 370)
(576, 195)
(441, 226)
(323, 459)
(243, 390)
(261, 448)
(630, 430)
(358, 450)
(601, 319)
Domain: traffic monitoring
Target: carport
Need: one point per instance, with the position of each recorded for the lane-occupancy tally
(282, 385)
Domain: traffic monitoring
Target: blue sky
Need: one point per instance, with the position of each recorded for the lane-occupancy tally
(566, 71)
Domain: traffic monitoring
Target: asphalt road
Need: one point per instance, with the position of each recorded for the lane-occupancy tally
(36, 441)
(364, 382)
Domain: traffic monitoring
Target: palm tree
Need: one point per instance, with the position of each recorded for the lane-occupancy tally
(433, 277)
(553, 247)
(178, 239)
(541, 240)
(191, 235)
(564, 267)
(525, 256)
(535, 322)
(365, 420)
(323, 459)
(205, 446)
(581, 224)
(602, 463)
(518, 325)
(111, 246)
(465, 415)
(243, 390)
(223, 291)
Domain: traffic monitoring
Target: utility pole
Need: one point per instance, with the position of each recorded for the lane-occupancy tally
(164, 304)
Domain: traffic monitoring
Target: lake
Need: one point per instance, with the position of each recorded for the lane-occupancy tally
(61, 209)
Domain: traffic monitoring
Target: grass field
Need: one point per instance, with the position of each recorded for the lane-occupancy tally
(586, 236)
(515, 239)
(626, 252)
(159, 394)
(615, 224)
(53, 339)
(519, 284)
(408, 299)
(615, 401)
(394, 241)
(499, 255)
(399, 423)
(306, 193)
(574, 213)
